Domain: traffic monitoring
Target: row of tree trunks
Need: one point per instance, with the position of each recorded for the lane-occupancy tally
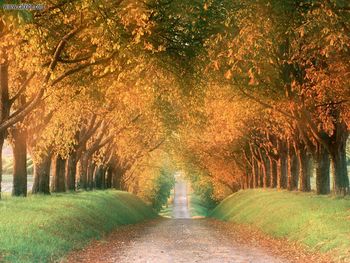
(291, 169)
(64, 173)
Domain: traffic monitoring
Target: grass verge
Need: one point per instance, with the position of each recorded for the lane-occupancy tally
(322, 223)
(45, 228)
(197, 209)
(167, 210)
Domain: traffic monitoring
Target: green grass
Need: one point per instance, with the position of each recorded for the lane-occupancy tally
(322, 223)
(167, 210)
(197, 209)
(43, 229)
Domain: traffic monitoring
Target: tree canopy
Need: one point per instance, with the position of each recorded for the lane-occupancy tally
(240, 94)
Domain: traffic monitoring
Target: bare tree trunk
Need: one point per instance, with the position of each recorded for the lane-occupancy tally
(71, 171)
(305, 170)
(1, 146)
(99, 174)
(322, 162)
(90, 174)
(292, 169)
(261, 174)
(116, 179)
(340, 172)
(83, 171)
(273, 172)
(109, 177)
(267, 173)
(58, 175)
(4, 108)
(248, 176)
(338, 159)
(104, 174)
(282, 166)
(42, 175)
(19, 146)
(255, 173)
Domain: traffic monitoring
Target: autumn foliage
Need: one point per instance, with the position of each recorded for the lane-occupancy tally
(240, 94)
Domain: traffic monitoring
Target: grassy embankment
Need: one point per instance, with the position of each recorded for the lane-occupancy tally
(167, 210)
(45, 228)
(322, 223)
(197, 208)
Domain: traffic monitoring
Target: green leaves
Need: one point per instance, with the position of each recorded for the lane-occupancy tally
(25, 16)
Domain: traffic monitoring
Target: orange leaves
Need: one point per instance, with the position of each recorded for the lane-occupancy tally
(228, 74)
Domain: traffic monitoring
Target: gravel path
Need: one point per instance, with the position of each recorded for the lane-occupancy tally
(180, 206)
(186, 240)
(180, 239)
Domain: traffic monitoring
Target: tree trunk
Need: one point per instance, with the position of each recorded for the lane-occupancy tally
(295, 171)
(242, 182)
(19, 147)
(82, 172)
(1, 146)
(322, 171)
(261, 175)
(58, 175)
(340, 172)
(90, 174)
(109, 177)
(71, 171)
(117, 179)
(282, 169)
(266, 167)
(292, 169)
(273, 173)
(246, 178)
(99, 174)
(304, 170)
(4, 108)
(42, 175)
(255, 173)
(104, 173)
(282, 166)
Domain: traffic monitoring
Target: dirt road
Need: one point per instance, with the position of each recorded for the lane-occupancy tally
(181, 239)
(180, 206)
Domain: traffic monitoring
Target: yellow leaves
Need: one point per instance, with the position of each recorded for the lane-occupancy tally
(228, 74)
(205, 7)
(161, 48)
(251, 75)
(116, 46)
(216, 65)
(148, 46)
